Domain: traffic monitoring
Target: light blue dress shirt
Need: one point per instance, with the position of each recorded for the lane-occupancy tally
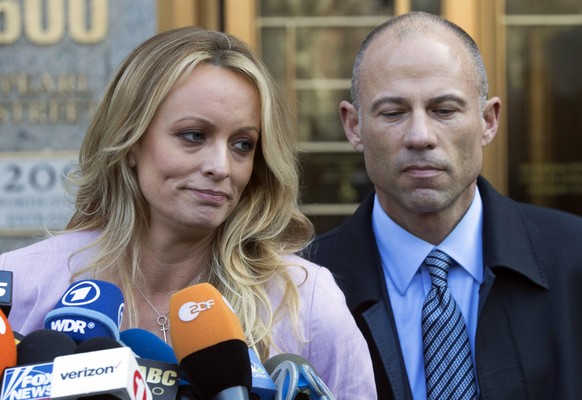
(402, 255)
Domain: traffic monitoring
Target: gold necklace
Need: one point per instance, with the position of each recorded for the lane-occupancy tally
(162, 320)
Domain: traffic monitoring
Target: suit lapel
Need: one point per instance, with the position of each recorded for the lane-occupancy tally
(507, 250)
(367, 294)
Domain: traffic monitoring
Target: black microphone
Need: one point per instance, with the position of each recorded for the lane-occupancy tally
(6, 292)
(43, 346)
(296, 378)
(31, 378)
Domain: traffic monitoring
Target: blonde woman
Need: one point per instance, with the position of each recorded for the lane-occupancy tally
(188, 174)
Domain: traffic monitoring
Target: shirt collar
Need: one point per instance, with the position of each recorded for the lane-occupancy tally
(402, 253)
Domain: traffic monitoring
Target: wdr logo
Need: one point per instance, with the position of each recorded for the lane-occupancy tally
(71, 325)
(27, 383)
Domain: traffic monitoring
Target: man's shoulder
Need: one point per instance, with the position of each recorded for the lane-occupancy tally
(549, 219)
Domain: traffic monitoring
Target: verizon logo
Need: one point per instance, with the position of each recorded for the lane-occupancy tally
(88, 372)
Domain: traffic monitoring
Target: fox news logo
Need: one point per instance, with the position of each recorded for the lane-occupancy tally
(27, 383)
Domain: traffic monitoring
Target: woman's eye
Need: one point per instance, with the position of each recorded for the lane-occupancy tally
(244, 145)
(193, 136)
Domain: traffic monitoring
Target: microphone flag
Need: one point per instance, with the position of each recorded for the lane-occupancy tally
(88, 309)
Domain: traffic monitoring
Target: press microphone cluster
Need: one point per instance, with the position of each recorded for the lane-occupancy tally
(79, 353)
(82, 353)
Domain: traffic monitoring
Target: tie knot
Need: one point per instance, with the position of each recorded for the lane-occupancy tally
(438, 264)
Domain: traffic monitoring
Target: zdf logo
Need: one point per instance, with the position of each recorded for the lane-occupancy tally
(190, 310)
(82, 293)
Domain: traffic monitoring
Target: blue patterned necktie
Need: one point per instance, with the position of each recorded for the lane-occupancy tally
(447, 353)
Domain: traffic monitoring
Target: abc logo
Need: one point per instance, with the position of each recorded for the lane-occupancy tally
(82, 293)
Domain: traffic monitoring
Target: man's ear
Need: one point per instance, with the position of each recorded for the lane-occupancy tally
(491, 112)
(351, 124)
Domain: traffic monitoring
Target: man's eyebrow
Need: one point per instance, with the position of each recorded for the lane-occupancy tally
(402, 101)
(449, 97)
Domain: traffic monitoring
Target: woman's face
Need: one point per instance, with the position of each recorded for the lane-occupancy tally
(196, 157)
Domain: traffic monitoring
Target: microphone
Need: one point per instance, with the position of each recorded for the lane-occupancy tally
(88, 309)
(99, 373)
(31, 378)
(5, 292)
(43, 346)
(147, 345)
(296, 378)
(96, 344)
(263, 387)
(209, 343)
(157, 361)
(7, 344)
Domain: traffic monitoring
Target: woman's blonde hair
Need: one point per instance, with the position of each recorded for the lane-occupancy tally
(265, 226)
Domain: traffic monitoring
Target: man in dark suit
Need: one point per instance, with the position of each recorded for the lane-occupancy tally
(420, 114)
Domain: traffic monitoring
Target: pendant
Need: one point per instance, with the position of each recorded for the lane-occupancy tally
(163, 323)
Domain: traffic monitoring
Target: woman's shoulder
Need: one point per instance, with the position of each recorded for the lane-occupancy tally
(49, 251)
(307, 273)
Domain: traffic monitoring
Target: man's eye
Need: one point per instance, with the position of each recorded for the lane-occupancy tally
(392, 114)
(444, 112)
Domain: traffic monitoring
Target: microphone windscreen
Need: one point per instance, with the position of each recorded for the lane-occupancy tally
(295, 376)
(200, 318)
(272, 362)
(147, 345)
(209, 342)
(263, 386)
(8, 356)
(43, 346)
(97, 343)
(87, 309)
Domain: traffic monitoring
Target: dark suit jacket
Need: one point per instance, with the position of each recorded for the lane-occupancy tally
(529, 332)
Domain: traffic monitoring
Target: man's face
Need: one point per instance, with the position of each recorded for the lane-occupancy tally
(420, 124)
